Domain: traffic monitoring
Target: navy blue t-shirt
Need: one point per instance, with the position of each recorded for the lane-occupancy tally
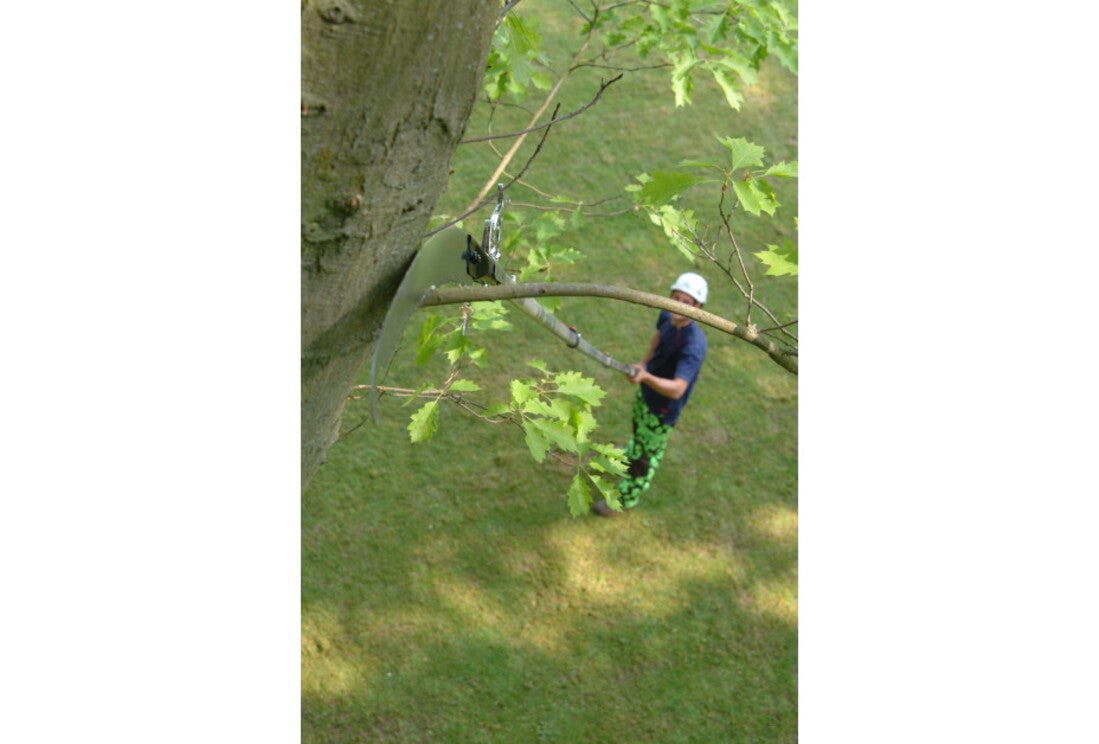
(679, 353)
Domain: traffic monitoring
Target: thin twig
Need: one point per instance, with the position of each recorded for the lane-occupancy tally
(482, 203)
(778, 327)
(727, 270)
(620, 68)
(612, 6)
(627, 210)
(463, 403)
(457, 398)
(578, 11)
(602, 87)
(736, 249)
(491, 182)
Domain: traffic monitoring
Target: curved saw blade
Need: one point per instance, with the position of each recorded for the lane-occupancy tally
(438, 262)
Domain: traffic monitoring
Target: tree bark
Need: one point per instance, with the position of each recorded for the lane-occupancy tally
(387, 90)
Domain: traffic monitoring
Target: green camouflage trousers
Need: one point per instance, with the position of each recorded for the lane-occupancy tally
(644, 452)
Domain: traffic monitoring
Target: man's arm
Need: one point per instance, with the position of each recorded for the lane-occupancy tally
(669, 388)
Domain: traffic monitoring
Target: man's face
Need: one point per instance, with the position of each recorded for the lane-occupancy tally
(678, 320)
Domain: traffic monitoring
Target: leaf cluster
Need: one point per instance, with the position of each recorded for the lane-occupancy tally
(727, 40)
(447, 334)
(536, 249)
(744, 172)
(555, 412)
(515, 60)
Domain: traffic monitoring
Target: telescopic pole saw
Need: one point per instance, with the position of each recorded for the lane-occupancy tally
(453, 256)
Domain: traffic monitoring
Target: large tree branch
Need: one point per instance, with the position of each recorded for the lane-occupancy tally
(788, 360)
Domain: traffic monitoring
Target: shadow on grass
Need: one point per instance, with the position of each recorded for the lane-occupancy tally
(453, 599)
(712, 670)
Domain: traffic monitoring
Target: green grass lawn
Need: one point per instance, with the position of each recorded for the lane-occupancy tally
(447, 595)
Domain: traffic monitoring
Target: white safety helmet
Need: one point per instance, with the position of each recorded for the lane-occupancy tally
(692, 284)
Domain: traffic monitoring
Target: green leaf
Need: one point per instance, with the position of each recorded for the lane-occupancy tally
(681, 77)
(735, 61)
(664, 188)
(423, 422)
(538, 407)
(541, 80)
(496, 324)
(675, 223)
(681, 87)
(456, 346)
(633, 24)
(780, 261)
(511, 238)
(553, 304)
(529, 271)
(562, 410)
(783, 170)
(465, 386)
(547, 226)
(786, 51)
(608, 492)
(716, 28)
(497, 409)
(459, 344)
(753, 198)
(521, 392)
(427, 343)
(558, 433)
(535, 442)
(519, 75)
(524, 36)
(744, 153)
(727, 87)
(610, 467)
(584, 423)
(700, 164)
(576, 221)
(611, 459)
(613, 38)
(609, 451)
(578, 496)
(660, 15)
(565, 255)
(578, 386)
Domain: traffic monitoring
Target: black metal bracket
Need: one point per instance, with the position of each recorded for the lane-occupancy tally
(478, 264)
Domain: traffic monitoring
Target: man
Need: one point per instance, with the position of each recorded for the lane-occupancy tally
(665, 379)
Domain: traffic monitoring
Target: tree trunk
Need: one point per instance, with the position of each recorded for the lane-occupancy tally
(387, 89)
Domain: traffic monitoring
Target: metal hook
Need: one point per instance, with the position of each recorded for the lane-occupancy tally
(490, 239)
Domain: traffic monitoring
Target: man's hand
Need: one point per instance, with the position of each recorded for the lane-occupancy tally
(674, 388)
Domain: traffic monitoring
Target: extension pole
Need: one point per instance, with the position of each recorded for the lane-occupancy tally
(568, 334)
